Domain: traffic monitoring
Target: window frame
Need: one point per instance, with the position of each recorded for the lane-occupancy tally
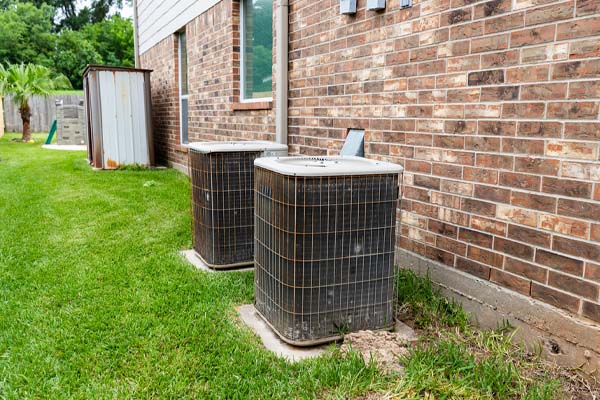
(243, 98)
(183, 136)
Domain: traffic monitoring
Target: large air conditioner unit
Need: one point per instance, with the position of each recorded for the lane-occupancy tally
(325, 235)
(222, 175)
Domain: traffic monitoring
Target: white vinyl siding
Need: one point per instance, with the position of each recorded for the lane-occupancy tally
(158, 19)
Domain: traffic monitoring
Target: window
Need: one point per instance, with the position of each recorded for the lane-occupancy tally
(257, 49)
(183, 87)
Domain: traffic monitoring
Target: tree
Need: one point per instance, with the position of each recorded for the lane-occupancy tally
(69, 16)
(26, 34)
(22, 81)
(73, 53)
(113, 40)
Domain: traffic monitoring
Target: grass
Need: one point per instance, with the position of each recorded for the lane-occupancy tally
(97, 303)
(457, 361)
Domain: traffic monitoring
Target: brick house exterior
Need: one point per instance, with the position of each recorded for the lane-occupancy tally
(492, 107)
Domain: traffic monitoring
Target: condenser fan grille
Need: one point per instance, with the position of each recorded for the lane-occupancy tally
(324, 253)
(223, 206)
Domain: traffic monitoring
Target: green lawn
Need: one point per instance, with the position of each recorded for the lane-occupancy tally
(96, 303)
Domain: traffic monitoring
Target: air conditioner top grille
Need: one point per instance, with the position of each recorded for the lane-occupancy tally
(240, 146)
(327, 166)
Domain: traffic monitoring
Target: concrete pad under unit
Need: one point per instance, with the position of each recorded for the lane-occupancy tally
(65, 147)
(271, 341)
(192, 258)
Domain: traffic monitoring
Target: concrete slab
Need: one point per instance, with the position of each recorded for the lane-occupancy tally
(272, 342)
(65, 147)
(192, 258)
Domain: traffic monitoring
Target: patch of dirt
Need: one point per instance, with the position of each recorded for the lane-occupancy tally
(384, 347)
(578, 386)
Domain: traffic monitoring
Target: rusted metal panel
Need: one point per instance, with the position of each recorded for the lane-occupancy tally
(119, 113)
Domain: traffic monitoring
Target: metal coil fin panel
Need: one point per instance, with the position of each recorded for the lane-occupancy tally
(223, 206)
(324, 256)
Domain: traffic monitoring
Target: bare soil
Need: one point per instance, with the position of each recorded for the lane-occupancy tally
(385, 348)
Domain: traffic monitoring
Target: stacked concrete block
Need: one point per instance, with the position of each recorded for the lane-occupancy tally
(70, 121)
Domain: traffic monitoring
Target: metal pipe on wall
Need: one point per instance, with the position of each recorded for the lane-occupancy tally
(136, 36)
(281, 79)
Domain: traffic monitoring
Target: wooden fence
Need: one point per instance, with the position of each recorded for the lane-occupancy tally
(43, 112)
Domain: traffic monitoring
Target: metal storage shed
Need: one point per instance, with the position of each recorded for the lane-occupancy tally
(119, 119)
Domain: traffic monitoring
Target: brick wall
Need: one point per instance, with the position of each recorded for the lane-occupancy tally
(491, 106)
(215, 111)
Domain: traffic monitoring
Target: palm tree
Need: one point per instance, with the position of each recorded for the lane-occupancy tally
(26, 80)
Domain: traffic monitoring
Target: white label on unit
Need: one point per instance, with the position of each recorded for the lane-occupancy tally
(376, 4)
(347, 6)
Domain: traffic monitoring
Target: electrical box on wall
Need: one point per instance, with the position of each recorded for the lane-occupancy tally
(406, 3)
(375, 5)
(348, 6)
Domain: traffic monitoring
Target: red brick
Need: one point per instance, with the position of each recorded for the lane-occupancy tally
(488, 225)
(567, 187)
(489, 43)
(591, 311)
(474, 237)
(489, 77)
(577, 29)
(524, 146)
(494, 161)
(492, 193)
(559, 262)
(573, 285)
(504, 23)
(555, 298)
(585, 48)
(511, 281)
(536, 73)
(443, 228)
(573, 110)
(577, 248)
(491, 8)
(529, 271)
(440, 256)
(478, 207)
(564, 225)
(520, 181)
(485, 256)
(473, 268)
(513, 248)
(592, 272)
(586, 7)
(466, 31)
(500, 93)
(482, 143)
(595, 233)
(523, 110)
(534, 201)
(529, 236)
(547, 91)
(540, 129)
(500, 59)
(497, 128)
(582, 131)
(552, 13)
(576, 70)
(584, 90)
(480, 175)
(529, 36)
(540, 166)
(579, 209)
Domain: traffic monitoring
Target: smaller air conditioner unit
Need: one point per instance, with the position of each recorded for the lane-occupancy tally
(325, 232)
(222, 175)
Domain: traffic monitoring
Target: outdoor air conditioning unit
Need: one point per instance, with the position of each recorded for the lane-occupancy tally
(222, 175)
(325, 234)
